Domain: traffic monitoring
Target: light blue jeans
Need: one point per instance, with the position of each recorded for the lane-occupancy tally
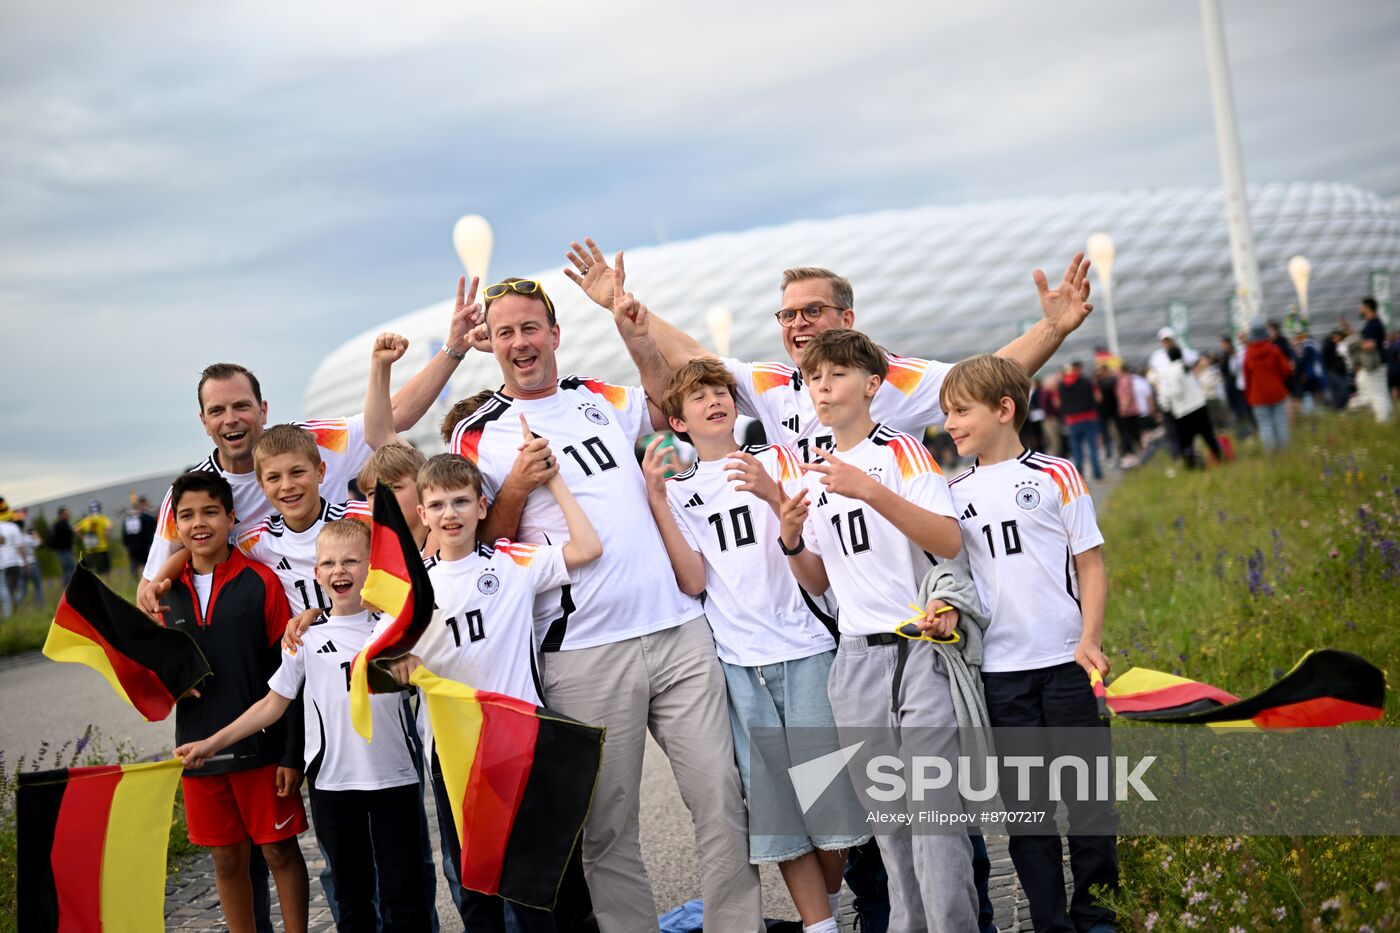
(1273, 425)
(791, 696)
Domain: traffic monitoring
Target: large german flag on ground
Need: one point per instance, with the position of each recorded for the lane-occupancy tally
(1325, 688)
(520, 781)
(92, 847)
(149, 666)
(397, 585)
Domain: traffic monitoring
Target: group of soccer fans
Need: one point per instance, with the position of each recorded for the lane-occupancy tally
(762, 589)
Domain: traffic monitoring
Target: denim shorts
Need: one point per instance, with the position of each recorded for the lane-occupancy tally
(787, 695)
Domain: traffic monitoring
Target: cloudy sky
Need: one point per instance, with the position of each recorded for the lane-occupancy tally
(185, 183)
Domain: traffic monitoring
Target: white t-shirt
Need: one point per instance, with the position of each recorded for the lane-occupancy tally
(774, 394)
(1022, 522)
(756, 609)
(342, 448)
(592, 428)
(338, 757)
(10, 545)
(292, 554)
(875, 570)
(482, 633)
(203, 586)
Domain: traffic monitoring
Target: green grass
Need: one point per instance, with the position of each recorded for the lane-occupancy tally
(1229, 576)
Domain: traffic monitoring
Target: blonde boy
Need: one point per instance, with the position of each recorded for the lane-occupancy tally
(483, 632)
(1036, 553)
(364, 797)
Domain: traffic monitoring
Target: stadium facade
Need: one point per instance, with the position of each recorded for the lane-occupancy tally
(947, 282)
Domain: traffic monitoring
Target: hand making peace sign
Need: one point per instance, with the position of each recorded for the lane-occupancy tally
(840, 478)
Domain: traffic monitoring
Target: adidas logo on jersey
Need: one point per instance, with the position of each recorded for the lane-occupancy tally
(969, 512)
(327, 648)
(821, 500)
(283, 564)
(694, 501)
(792, 424)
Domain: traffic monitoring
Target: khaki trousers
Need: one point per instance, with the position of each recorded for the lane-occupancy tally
(671, 683)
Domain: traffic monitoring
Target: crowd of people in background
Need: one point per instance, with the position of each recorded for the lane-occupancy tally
(1255, 382)
(22, 537)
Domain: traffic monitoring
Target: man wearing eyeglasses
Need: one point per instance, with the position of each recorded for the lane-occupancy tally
(620, 646)
(815, 300)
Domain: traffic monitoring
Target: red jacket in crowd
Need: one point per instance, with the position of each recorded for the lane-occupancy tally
(1266, 371)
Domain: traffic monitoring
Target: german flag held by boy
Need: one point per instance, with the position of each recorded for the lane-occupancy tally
(148, 665)
(92, 847)
(399, 586)
(520, 781)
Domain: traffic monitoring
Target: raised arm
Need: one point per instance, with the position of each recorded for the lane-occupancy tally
(534, 466)
(591, 273)
(1062, 309)
(686, 562)
(633, 323)
(805, 566)
(412, 402)
(937, 534)
(379, 414)
(583, 546)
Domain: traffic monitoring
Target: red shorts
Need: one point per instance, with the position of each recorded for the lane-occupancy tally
(226, 809)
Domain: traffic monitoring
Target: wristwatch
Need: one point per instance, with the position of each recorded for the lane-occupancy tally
(801, 546)
(457, 355)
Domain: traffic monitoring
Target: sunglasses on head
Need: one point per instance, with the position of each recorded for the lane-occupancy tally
(520, 287)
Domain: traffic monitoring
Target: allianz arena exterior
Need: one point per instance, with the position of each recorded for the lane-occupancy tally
(944, 282)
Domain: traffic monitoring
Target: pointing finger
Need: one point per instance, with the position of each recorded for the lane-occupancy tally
(461, 290)
(471, 296)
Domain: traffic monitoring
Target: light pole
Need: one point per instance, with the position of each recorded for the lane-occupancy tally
(1100, 250)
(1227, 139)
(472, 237)
(720, 322)
(1300, 270)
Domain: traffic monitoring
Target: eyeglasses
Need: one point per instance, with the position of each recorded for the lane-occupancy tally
(520, 287)
(461, 505)
(788, 316)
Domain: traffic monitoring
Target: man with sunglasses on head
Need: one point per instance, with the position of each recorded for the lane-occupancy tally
(620, 646)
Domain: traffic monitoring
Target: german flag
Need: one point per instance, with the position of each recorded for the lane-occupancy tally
(149, 666)
(92, 847)
(520, 781)
(397, 585)
(1325, 688)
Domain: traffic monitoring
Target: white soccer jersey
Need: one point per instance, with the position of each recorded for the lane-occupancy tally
(337, 757)
(482, 633)
(757, 611)
(592, 428)
(292, 554)
(774, 393)
(343, 450)
(875, 571)
(1023, 520)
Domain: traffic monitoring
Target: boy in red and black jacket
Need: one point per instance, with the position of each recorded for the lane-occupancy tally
(236, 611)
